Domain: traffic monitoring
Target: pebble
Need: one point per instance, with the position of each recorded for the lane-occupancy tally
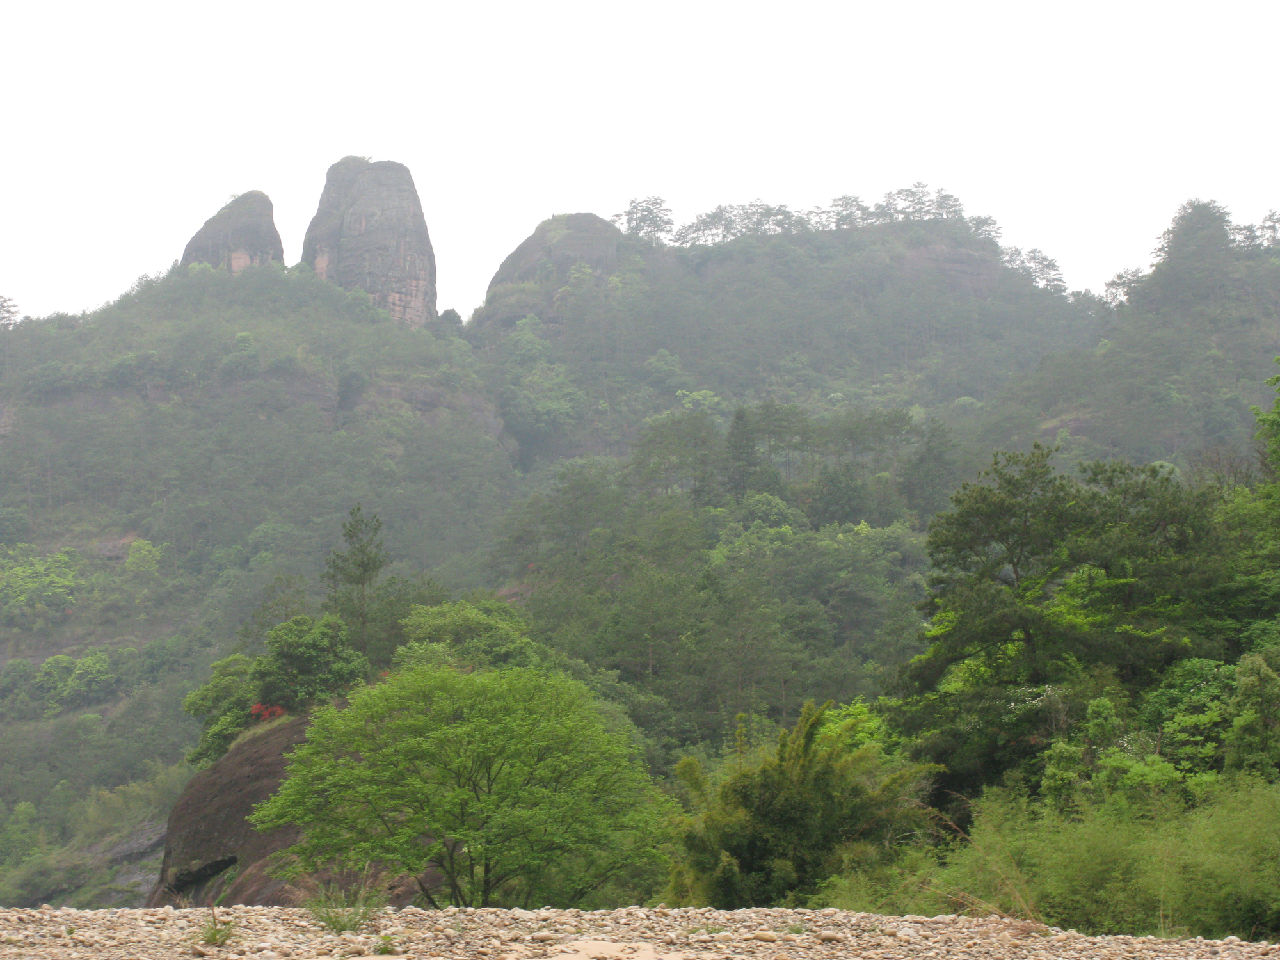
(274, 933)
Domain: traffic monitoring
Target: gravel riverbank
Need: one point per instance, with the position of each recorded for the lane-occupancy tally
(267, 933)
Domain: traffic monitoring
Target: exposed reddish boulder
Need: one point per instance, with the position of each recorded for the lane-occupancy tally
(213, 854)
(211, 850)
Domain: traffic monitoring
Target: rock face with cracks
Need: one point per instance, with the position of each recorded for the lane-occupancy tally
(369, 234)
(241, 234)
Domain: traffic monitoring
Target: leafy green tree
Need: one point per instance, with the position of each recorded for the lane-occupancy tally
(726, 223)
(90, 681)
(370, 605)
(741, 458)
(649, 219)
(1188, 713)
(775, 828)
(18, 697)
(932, 473)
(37, 590)
(222, 706)
(20, 836)
(143, 559)
(539, 399)
(1195, 259)
(464, 633)
(678, 451)
(506, 785)
(1253, 742)
(717, 610)
(996, 556)
(306, 660)
(1048, 593)
(9, 314)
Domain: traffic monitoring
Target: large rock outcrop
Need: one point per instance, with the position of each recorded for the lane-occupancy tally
(211, 851)
(241, 234)
(213, 854)
(561, 242)
(369, 234)
(541, 264)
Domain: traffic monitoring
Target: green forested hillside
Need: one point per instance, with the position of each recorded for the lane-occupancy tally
(909, 303)
(181, 457)
(1176, 371)
(736, 564)
(234, 419)
(719, 475)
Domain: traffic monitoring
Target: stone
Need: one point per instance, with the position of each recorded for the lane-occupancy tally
(208, 834)
(529, 277)
(369, 234)
(564, 241)
(259, 933)
(241, 234)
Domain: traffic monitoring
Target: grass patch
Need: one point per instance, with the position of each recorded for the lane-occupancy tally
(216, 933)
(340, 910)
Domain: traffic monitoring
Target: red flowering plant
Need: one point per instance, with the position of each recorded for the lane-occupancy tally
(260, 711)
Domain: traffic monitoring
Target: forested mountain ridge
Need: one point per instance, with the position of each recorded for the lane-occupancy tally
(772, 407)
(909, 303)
(1176, 371)
(233, 419)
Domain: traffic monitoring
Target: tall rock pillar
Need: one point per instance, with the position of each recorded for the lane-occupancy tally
(369, 234)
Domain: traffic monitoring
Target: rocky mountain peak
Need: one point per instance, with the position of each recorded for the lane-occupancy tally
(531, 273)
(563, 242)
(369, 234)
(241, 234)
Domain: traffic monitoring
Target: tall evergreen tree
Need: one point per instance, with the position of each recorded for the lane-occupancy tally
(352, 575)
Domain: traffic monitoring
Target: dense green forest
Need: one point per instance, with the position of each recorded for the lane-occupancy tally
(910, 303)
(893, 574)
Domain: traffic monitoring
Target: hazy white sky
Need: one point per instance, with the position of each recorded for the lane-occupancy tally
(1079, 126)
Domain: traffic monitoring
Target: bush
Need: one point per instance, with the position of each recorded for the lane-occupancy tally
(1212, 870)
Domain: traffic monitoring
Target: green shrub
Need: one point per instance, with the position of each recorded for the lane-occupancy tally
(217, 933)
(339, 909)
(1212, 870)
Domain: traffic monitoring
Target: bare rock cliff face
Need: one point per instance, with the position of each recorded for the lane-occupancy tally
(369, 234)
(241, 234)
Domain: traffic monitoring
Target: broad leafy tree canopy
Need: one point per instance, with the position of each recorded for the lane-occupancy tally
(499, 787)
